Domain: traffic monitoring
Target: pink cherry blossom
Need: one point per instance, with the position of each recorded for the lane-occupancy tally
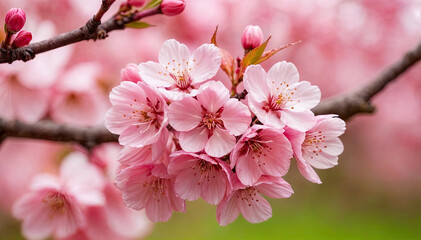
(179, 72)
(55, 205)
(112, 221)
(319, 147)
(261, 151)
(138, 114)
(198, 175)
(77, 99)
(248, 201)
(211, 122)
(278, 98)
(150, 187)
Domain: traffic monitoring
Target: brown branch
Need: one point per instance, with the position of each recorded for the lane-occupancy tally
(92, 30)
(359, 101)
(48, 130)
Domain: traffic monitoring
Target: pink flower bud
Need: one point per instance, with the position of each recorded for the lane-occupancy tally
(172, 7)
(22, 39)
(252, 37)
(15, 19)
(136, 3)
(130, 73)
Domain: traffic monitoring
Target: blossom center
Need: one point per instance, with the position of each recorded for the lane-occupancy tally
(206, 169)
(211, 120)
(156, 186)
(314, 141)
(57, 203)
(249, 195)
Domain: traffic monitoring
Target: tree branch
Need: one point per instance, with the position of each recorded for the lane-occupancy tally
(48, 130)
(92, 30)
(359, 101)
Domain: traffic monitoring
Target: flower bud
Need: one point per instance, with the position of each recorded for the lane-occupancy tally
(172, 7)
(136, 3)
(130, 73)
(252, 37)
(15, 19)
(22, 39)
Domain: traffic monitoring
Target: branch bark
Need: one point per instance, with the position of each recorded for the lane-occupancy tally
(347, 105)
(48, 130)
(92, 30)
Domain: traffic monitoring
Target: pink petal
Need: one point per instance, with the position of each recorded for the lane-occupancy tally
(130, 181)
(184, 115)
(255, 208)
(227, 210)
(194, 140)
(187, 184)
(278, 153)
(173, 53)
(255, 83)
(220, 143)
(304, 97)
(204, 62)
(236, 117)
(281, 74)
(307, 171)
(320, 161)
(212, 96)
(247, 170)
(301, 121)
(275, 187)
(154, 74)
(214, 190)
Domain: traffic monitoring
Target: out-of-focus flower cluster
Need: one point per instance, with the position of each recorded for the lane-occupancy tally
(186, 138)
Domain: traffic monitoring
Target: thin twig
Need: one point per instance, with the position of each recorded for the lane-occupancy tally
(92, 30)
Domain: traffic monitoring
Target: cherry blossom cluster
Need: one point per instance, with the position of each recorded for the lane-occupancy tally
(186, 137)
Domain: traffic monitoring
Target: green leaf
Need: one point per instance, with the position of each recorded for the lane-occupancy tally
(266, 55)
(152, 4)
(254, 55)
(139, 25)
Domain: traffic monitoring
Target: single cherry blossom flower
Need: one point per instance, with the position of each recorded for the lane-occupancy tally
(77, 99)
(248, 201)
(261, 151)
(319, 147)
(198, 175)
(179, 72)
(211, 122)
(278, 98)
(55, 205)
(150, 187)
(138, 114)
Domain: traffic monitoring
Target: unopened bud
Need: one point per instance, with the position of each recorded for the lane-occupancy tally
(252, 37)
(172, 7)
(14, 21)
(130, 73)
(22, 39)
(136, 3)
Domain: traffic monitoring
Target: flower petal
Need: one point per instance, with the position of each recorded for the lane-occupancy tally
(255, 83)
(194, 140)
(154, 74)
(280, 76)
(204, 63)
(236, 117)
(220, 143)
(186, 114)
(212, 96)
